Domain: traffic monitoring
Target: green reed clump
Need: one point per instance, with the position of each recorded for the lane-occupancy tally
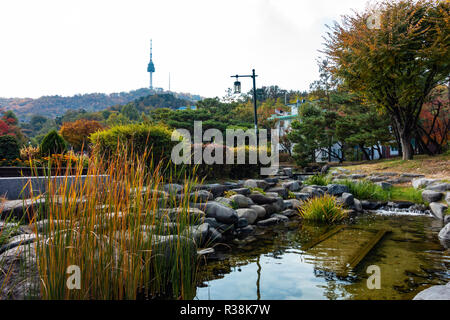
(115, 231)
(322, 209)
(318, 180)
(366, 190)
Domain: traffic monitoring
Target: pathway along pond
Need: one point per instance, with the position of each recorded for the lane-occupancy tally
(273, 264)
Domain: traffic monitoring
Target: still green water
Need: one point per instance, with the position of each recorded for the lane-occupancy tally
(272, 264)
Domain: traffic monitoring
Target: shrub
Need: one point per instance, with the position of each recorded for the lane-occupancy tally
(318, 180)
(366, 190)
(9, 147)
(77, 133)
(53, 143)
(29, 152)
(138, 138)
(323, 209)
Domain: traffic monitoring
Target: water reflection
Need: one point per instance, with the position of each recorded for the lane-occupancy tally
(274, 265)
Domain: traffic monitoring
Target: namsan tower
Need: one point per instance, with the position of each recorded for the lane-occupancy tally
(151, 66)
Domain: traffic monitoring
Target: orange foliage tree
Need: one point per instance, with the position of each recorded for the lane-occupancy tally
(394, 54)
(77, 133)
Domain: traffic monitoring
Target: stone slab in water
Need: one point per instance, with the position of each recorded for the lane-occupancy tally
(434, 293)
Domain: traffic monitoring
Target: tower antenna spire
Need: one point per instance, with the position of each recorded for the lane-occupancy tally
(151, 66)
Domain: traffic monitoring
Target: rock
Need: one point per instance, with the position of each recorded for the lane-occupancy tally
(215, 188)
(271, 180)
(243, 191)
(370, 205)
(280, 191)
(222, 227)
(252, 183)
(280, 217)
(292, 185)
(289, 212)
(199, 234)
(22, 208)
(225, 201)
(412, 175)
(43, 225)
(248, 214)
(267, 222)
(163, 247)
(313, 192)
(19, 240)
(278, 205)
(440, 187)
(422, 182)
(446, 219)
(348, 199)
(357, 205)
(193, 215)
(431, 196)
(260, 211)
(242, 223)
(434, 293)
(201, 196)
(302, 196)
(337, 189)
(438, 210)
(221, 213)
(444, 236)
(287, 204)
(375, 179)
(294, 203)
(288, 171)
(240, 200)
(357, 176)
(271, 194)
(400, 204)
(19, 265)
(261, 199)
(245, 232)
(270, 209)
(384, 185)
(447, 197)
(173, 188)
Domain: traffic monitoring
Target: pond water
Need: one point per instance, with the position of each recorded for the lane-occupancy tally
(273, 264)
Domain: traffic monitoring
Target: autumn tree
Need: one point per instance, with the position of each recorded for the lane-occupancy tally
(394, 54)
(77, 133)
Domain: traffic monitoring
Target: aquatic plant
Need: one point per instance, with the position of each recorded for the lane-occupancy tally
(318, 180)
(322, 209)
(112, 225)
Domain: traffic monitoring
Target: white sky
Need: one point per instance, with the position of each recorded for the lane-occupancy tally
(66, 47)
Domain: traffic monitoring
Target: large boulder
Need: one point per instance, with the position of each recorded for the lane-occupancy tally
(248, 214)
(260, 199)
(252, 183)
(384, 185)
(18, 240)
(198, 233)
(280, 191)
(431, 196)
(434, 293)
(193, 215)
(22, 209)
(302, 196)
(438, 210)
(347, 199)
(280, 217)
(240, 200)
(444, 235)
(357, 205)
(337, 189)
(279, 204)
(19, 276)
(243, 191)
(268, 222)
(422, 182)
(312, 191)
(270, 209)
(292, 185)
(447, 197)
(201, 196)
(260, 211)
(222, 227)
(440, 187)
(221, 213)
(173, 188)
(295, 204)
(216, 189)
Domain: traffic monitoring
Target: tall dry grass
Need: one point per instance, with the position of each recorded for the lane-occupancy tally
(109, 224)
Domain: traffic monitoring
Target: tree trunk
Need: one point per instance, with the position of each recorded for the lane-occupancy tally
(407, 150)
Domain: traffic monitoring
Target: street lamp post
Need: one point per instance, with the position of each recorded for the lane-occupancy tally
(237, 89)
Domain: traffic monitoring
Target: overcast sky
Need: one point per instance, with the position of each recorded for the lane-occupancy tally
(66, 47)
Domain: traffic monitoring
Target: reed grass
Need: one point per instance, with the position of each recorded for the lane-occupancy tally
(114, 231)
(322, 209)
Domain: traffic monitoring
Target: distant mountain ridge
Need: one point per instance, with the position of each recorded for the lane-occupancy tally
(52, 106)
